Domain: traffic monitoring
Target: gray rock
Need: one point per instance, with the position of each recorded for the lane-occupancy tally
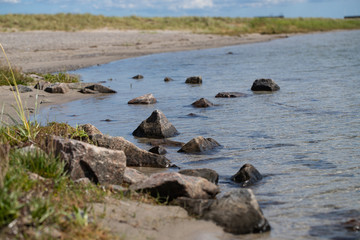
(100, 88)
(209, 174)
(133, 176)
(247, 175)
(145, 99)
(194, 80)
(138, 76)
(100, 165)
(168, 79)
(264, 85)
(87, 91)
(199, 144)
(158, 150)
(79, 85)
(171, 185)
(202, 103)
(230, 95)
(57, 88)
(21, 89)
(155, 126)
(90, 129)
(135, 156)
(41, 85)
(238, 211)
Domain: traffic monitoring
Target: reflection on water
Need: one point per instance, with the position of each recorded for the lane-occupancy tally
(304, 138)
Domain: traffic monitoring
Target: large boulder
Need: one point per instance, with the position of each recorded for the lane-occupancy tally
(264, 85)
(202, 103)
(238, 211)
(194, 80)
(100, 88)
(199, 144)
(230, 95)
(135, 156)
(57, 88)
(171, 185)
(247, 175)
(100, 165)
(132, 176)
(208, 174)
(155, 126)
(145, 99)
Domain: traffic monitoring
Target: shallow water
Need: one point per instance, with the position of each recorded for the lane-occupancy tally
(304, 138)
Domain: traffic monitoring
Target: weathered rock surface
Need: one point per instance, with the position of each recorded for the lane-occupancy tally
(164, 142)
(21, 89)
(57, 88)
(264, 85)
(41, 85)
(202, 103)
(138, 76)
(155, 126)
(132, 176)
(135, 156)
(171, 185)
(237, 211)
(209, 174)
(100, 165)
(230, 95)
(100, 88)
(168, 79)
(158, 150)
(247, 175)
(90, 129)
(199, 144)
(145, 99)
(194, 80)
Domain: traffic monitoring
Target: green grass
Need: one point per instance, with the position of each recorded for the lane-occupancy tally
(213, 25)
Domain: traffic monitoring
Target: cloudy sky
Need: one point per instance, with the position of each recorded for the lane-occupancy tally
(231, 8)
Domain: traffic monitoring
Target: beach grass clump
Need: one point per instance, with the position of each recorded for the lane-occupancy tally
(61, 77)
(6, 74)
(208, 25)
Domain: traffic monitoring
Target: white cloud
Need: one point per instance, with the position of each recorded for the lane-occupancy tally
(10, 1)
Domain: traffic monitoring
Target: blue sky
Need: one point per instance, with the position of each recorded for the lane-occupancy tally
(148, 8)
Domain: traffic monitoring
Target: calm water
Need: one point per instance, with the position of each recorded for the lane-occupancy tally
(304, 138)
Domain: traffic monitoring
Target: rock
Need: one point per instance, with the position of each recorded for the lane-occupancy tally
(145, 99)
(202, 103)
(230, 95)
(89, 129)
(21, 89)
(352, 225)
(168, 79)
(135, 156)
(87, 91)
(194, 80)
(100, 165)
(4, 162)
(100, 88)
(199, 144)
(35, 77)
(41, 85)
(158, 150)
(57, 88)
(237, 211)
(83, 181)
(171, 185)
(79, 85)
(264, 85)
(164, 142)
(138, 76)
(133, 176)
(209, 174)
(156, 126)
(247, 175)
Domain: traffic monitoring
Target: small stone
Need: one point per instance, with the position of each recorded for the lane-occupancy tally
(145, 99)
(264, 85)
(202, 103)
(158, 150)
(194, 80)
(168, 79)
(138, 76)
(247, 175)
(230, 95)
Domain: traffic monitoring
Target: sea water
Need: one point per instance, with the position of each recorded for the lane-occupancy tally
(304, 139)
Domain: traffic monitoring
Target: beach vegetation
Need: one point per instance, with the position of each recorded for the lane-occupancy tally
(209, 25)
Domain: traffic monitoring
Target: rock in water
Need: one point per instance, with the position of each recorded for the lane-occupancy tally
(100, 88)
(209, 174)
(264, 85)
(202, 103)
(171, 185)
(100, 165)
(230, 95)
(194, 80)
(138, 76)
(156, 126)
(145, 99)
(199, 144)
(158, 150)
(168, 79)
(247, 175)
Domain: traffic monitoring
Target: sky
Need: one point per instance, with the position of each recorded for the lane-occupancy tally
(223, 8)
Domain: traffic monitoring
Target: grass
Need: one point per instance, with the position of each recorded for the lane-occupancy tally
(211, 25)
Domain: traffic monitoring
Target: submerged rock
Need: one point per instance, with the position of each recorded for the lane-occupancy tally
(202, 103)
(155, 126)
(209, 174)
(264, 85)
(100, 88)
(247, 175)
(230, 95)
(145, 99)
(171, 185)
(194, 80)
(199, 144)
